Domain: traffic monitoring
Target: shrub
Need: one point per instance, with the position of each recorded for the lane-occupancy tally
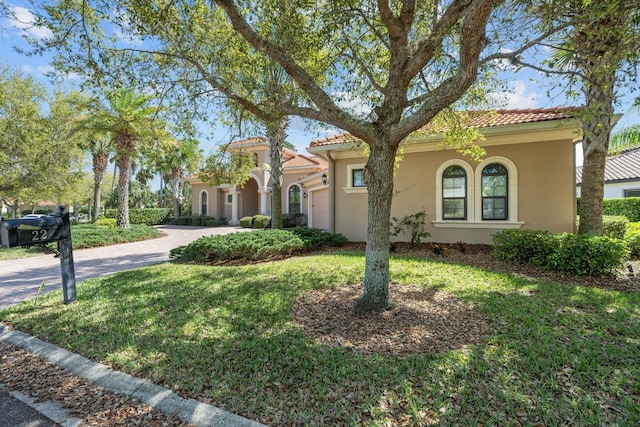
(632, 238)
(614, 226)
(103, 222)
(628, 207)
(182, 220)
(261, 221)
(314, 238)
(566, 253)
(146, 216)
(211, 222)
(294, 220)
(585, 255)
(246, 222)
(411, 226)
(523, 246)
(196, 220)
(245, 245)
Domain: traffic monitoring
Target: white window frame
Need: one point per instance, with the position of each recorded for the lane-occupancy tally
(301, 197)
(205, 192)
(470, 191)
(474, 196)
(350, 189)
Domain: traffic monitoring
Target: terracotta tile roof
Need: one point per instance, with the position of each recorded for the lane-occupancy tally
(479, 119)
(625, 166)
(302, 160)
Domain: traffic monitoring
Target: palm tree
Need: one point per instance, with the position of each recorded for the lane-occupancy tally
(625, 139)
(130, 120)
(176, 160)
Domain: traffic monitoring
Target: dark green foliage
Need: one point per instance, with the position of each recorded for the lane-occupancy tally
(246, 222)
(614, 226)
(567, 253)
(147, 216)
(411, 226)
(294, 220)
(254, 245)
(523, 246)
(632, 238)
(196, 220)
(261, 221)
(92, 235)
(314, 238)
(628, 207)
(585, 255)
(211, 222)
(182, 220)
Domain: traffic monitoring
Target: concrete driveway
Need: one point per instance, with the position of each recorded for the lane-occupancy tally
(21, 278)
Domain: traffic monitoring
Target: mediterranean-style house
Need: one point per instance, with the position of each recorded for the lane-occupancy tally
(526, 179)
(300, 175)
(621, 175)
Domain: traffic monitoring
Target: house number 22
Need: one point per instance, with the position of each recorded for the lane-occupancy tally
(39, 235)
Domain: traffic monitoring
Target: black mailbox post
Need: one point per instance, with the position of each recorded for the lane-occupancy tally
(40, 231)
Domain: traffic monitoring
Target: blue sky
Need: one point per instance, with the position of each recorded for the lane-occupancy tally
(528, 89)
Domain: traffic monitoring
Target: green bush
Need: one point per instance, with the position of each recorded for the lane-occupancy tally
(628, 207)
(253, 245)
(567, 253)
(411, 226)
(246, 222)
(632, 239)
(181, 220)
(294, 220)
(314, 238)
(585, 255)
(523, 246)
(614, 226)
(211, 222)
(261, 221)
(196, 220)
(103, 222)
(146, 216)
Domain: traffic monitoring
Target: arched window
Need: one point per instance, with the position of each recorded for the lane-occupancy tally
(204, 199)
(294, 199)
(454, 193)
(495, 191)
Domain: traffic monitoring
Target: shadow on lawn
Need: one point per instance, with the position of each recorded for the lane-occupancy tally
(223, 335)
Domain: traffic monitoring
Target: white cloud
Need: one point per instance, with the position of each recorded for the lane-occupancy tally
(22, 19)
(519, 97)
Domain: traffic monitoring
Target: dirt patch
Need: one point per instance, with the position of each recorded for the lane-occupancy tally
(421, 321)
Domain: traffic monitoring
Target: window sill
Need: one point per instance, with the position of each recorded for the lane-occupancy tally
(475, 224)
(355, 190)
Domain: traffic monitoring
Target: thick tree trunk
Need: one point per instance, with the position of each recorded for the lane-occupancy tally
(596, 127)
(100, 162)
(379, 180)
(276, 135)
(124, 162)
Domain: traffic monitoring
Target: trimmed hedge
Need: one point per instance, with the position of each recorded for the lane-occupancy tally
(632, 238)
(568, 253)
(246, 222)
(261, 221)
(614, 226)
(255, 245)
(628, 207)
(146, 216)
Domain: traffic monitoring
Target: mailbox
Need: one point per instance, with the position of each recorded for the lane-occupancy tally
(32, 231)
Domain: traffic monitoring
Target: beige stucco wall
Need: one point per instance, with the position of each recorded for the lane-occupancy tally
(545, 188)
(214, 199)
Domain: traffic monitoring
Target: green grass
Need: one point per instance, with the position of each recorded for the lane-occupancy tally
(89, 236)
(555, 354)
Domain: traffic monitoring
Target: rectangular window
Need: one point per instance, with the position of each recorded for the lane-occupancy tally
(494, 208)
(357, 176)
(632, 193)
(229, 198)
(453, 209)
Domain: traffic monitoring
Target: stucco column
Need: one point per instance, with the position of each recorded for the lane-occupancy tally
(234, 207)
(263, 201)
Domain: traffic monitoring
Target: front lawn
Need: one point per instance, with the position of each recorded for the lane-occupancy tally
(549, 354)
(89, 236)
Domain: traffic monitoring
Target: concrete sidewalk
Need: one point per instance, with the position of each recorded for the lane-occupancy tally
(20, 279)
